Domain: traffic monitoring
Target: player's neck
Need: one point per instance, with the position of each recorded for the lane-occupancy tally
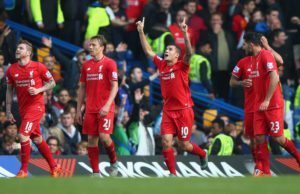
(24, 61)
(98, 57)
(256, 50)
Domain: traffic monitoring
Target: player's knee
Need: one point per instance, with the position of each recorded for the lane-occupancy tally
(280, 140)
(105, 139)
(23, 138)
(92, 141)
(259, 139)
(37, 140)
(183, 145)
(166, 143)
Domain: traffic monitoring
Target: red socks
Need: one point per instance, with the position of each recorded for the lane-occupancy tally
(170, 160)
(258, 164)
(46, 153)
(290, 148)
(93, 153)
(111, 153)
(198, 151)
(25, 155)
(262, 153)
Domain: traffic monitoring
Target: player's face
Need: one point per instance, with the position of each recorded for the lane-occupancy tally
(67, 120)
(63, 97)
(95, 47)
(248, 48)
(171, 53)
(22, 51)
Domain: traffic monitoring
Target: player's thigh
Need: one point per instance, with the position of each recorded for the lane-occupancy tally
(106, 123)
(184, 124)
(248, 125)
(90, 125)
(275, 122)
(260, 124)
(167, 124)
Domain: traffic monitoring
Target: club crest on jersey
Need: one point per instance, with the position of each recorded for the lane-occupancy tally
(17, 75)
(100, 68)
(236, 69)
(31, 74)
(270, 65)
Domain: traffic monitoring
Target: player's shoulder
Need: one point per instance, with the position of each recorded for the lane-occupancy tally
(266, 52)
(244, 60)
(109, 61)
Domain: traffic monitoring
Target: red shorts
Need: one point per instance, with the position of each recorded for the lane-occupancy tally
(269, 122)
(30, 125)
(93, 124)
(248, 124)
(178, 123)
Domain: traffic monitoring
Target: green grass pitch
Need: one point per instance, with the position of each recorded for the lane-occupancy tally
(87, 185)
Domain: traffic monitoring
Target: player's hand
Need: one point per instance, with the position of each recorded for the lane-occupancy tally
(140, 25)
(10, 118)
(247, 83)
(47, 42)
(104, 110)
(79, 117)
(265, 43)
(183, 26)
(264, 105)
(33, 91)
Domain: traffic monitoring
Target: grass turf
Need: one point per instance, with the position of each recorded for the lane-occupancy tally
(87, 185)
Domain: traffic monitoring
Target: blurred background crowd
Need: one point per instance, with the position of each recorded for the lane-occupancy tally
(216, 29)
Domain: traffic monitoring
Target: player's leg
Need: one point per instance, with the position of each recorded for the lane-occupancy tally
(184, 125)
(105, 129)
(91, 129)
(168, 153)
(262, 150)
(25, 155)
(276, 131)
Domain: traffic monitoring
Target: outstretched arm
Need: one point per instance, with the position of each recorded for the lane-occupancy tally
(188, 46)
(277, 56)
(146, 47)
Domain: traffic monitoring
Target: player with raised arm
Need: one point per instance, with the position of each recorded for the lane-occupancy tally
(99, 84)
(242, 77)
(178, 114)
(30, 79)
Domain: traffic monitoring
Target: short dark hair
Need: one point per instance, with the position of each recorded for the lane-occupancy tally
(275, 33)
(253, 37)
(101, 39)
(133, 68)
(178, 49)
(269, 11)
(191, 1)
(246, 2)
(8, 123)
(217, 14)
(220, 122)
(28, 45)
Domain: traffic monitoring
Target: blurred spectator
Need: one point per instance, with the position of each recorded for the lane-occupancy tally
(63, 99)
(234, 7)
(11, 130)
(47, 15)
(71, 67)
(178, 34)
(57, 132)
(71, 134)
(2, 87)
(221, 145)
(198, 137)
(212, 7)
(223, 46)
(10, 146)
(139, 132)
(49, 62)
(82, 148)
(240, 21)
(98, 21)
(51, 119)
(258, 22)
(195, 22)
(8, 41)
(200, 70)
(2, 121)
(73, 11)
(54, 145)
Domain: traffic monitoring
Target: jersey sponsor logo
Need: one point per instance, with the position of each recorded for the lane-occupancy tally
(167, 76)
(114, 75)
(270, 65)
(254, 74)
(94, 76)
(236, 69)
(48, 74)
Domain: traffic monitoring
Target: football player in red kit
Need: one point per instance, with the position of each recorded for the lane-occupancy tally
(178, 114)
(30, 79)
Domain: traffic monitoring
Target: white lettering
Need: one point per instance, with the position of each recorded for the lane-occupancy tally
(230, 171)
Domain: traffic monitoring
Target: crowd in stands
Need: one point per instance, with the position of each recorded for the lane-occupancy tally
(216, 29)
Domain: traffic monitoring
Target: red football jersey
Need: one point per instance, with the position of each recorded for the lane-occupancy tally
(22, 77)
(243, 70)
(264, 62)
(174, 80)
(97, 76)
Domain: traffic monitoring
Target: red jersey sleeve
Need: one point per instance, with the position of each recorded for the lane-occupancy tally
(83, 75)
(9, 79)
(112, 71)
(158, 61)
(44, 73)
(268, 62)
(237, 70)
